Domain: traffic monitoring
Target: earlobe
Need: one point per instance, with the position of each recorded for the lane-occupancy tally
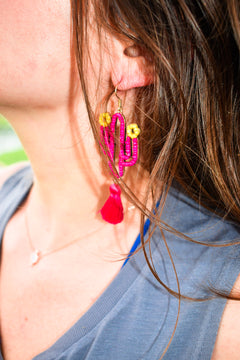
(132, 69)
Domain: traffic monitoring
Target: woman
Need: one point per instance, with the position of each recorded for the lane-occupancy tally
(66, 290)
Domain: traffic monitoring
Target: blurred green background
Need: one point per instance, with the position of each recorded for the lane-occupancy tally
(11, 150)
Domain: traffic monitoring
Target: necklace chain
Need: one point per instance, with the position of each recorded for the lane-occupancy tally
(37, 254)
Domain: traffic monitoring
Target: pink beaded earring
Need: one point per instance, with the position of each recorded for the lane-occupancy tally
(112, 210)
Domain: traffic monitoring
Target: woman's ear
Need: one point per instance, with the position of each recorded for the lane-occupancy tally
(131, 67)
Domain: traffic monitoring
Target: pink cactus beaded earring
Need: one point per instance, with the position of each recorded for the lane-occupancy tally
(112, 210)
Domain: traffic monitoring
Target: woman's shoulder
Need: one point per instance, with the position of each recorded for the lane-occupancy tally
(15, 182)
(7, 171)
(15, 178)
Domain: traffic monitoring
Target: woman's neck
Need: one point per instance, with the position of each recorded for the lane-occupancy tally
(70, 182)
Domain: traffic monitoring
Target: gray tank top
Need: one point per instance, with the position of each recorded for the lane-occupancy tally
(134, 318)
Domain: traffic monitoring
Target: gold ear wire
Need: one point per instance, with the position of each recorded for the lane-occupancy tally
(120, 109)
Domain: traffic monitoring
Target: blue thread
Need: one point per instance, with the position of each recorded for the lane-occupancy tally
(137, 241)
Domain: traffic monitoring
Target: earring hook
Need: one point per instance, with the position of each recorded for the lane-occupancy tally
(119, 101)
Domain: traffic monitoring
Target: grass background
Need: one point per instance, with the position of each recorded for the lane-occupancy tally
(14, 156)
(3, 123)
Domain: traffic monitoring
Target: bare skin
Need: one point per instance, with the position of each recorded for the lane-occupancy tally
(41, 98)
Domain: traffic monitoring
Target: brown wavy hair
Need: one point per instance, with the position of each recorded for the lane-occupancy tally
(189, 116)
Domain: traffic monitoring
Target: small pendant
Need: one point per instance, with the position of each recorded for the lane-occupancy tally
(35, 257)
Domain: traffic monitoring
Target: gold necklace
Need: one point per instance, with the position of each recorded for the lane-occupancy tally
(37, 254)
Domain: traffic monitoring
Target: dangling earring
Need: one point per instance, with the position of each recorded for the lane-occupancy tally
(112, 210)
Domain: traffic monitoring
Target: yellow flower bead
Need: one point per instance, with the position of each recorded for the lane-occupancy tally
(133, 131)
(105, 119)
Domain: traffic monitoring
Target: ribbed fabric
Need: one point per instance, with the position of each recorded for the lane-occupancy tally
(134, 318)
